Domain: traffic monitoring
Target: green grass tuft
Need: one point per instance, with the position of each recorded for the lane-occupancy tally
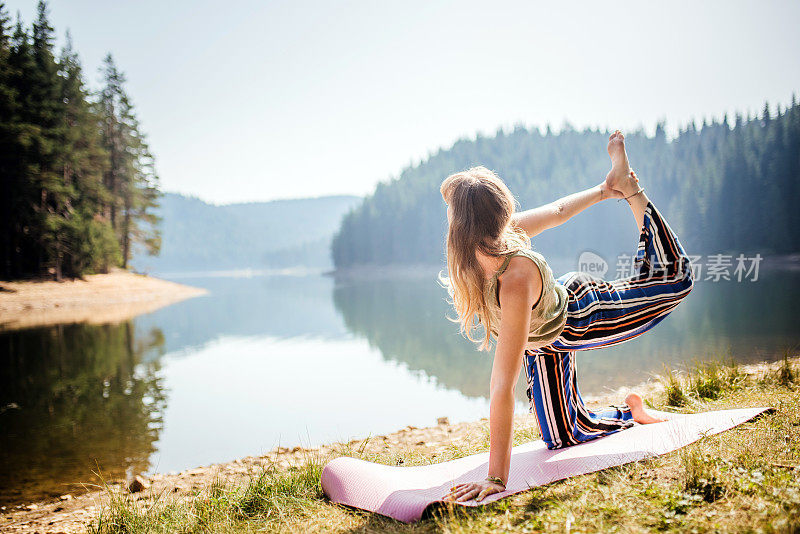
(701, 475)
(710, 380)
(673, 389)
(786, 375)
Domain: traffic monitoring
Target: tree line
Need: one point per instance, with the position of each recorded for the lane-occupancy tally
(77, 180)
(726, 186)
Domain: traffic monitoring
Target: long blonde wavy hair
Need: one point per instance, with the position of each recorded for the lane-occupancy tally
(481, 207)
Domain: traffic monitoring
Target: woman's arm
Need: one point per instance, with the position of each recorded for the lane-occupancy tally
(537, 220)
(521, 288)
(518, 293)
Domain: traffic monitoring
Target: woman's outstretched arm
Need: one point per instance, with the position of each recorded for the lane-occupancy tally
(537, 220)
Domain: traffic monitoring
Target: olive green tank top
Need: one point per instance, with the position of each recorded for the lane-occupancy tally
(549, 314)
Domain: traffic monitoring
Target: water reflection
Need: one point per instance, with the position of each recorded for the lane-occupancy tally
(74, 398)
(406, 319)
(282, 307)
(244, 396)
(747, 322)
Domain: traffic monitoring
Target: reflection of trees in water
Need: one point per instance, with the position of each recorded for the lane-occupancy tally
(72, 396)
(405, 319)
(282, 306)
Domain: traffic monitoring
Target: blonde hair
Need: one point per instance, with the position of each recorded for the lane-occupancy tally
(481, 207)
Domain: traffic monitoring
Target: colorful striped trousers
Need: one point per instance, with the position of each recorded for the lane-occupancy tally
(600, 314)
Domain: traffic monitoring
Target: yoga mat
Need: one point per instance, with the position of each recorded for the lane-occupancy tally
(405, 492)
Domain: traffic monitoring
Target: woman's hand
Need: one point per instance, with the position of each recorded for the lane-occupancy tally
(607, 193)
(473, 490)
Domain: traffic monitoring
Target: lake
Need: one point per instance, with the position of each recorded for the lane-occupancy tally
(283, 360)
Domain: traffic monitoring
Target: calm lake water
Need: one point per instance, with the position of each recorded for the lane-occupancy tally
(271, 360)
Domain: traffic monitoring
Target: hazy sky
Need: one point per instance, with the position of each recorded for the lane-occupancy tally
(254, 100)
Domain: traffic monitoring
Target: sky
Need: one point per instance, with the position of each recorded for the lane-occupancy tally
(249, 100)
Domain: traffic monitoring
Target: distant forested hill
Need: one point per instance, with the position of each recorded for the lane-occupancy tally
(726, 187)
(283, 233)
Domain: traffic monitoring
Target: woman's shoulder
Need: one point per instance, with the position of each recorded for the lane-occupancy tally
(534, 256)
(520, 270)
(512, 265)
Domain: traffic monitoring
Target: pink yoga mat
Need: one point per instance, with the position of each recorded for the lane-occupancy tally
(405, 492)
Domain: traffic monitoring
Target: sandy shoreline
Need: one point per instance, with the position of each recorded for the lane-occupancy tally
(100, 298)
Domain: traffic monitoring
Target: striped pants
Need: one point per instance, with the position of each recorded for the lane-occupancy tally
(600, 314)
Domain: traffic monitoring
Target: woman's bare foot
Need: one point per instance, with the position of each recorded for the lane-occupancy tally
(620, 177)
(640, 415)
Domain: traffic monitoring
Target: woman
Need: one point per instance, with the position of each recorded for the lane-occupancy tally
(544, 321)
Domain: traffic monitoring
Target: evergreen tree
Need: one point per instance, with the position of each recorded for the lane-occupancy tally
(47, 114)
(91, 244)
(20, 159)
(8, 98)
(131, 177)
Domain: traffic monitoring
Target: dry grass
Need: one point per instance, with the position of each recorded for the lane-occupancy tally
(745, 479)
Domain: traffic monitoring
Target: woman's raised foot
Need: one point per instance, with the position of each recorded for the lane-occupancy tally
(620, 177)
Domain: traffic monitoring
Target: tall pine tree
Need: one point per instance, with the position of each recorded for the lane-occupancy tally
(8, 103)
(47, 114)
(130, 178)
(89, 237)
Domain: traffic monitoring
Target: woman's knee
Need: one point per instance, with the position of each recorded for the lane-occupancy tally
(689, 281)
(686, 277)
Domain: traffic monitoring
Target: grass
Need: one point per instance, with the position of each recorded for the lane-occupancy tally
(745, 479)
(708, 380)
(786, 375)
(673, 390)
